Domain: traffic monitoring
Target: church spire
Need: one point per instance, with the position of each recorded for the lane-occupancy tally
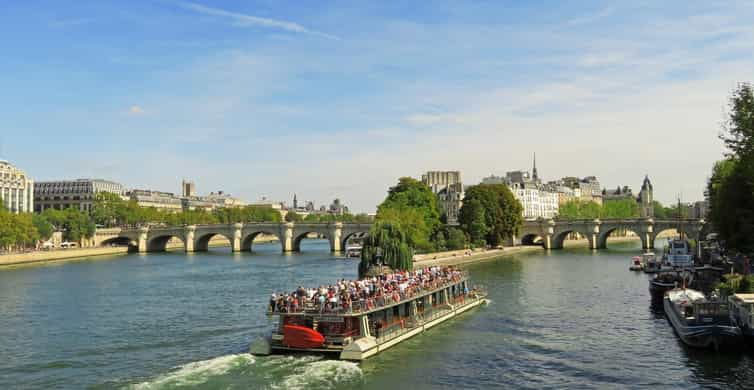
(295, 201)
(534, 168)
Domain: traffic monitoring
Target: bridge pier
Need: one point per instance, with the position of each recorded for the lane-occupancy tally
(142, 242)
(287, 242)
(336, 232)
(188, 243)
(235, 241)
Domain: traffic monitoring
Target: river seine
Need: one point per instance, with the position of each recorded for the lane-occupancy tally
(571, 318)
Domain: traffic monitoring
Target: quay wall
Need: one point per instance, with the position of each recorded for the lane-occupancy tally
(57, 255)
(462, 257)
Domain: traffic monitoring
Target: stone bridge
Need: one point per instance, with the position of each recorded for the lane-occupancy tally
(552, 233)
(196, 238)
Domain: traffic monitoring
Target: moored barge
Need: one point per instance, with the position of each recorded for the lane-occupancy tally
(365, 317)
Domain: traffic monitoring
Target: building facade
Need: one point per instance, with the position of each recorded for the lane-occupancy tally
(448, 187)
(188, 188)
(537, 199)
(78, 193)
(16, 189)
(157, 199)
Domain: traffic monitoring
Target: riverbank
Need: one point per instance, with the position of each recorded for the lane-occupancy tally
(59, 255)
(467, 257)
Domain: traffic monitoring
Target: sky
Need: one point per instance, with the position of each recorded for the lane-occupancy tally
(340, 99)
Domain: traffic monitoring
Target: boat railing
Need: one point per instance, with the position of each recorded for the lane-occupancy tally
(711, 309)
(368, 304)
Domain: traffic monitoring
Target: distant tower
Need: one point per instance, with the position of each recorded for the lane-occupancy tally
(295, 202)
(188, 188)
(645, 199)
(534, 174)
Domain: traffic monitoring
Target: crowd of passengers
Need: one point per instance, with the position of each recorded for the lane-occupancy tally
(364, 294)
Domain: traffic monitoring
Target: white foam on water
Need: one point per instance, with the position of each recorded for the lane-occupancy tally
(324, 374)
(197, 372)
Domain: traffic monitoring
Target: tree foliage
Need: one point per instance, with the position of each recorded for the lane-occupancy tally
(731, 185)
(609, 209)
(490, 213)
(386, 244)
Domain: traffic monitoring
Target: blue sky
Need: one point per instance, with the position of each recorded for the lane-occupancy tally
(339, 99)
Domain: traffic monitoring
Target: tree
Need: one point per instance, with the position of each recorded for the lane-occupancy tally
(291, 216)
(411, 206)
(411, 193)
(502, 212)
(473, 221)
(738, 130)
(386, 244)
(43, 226)
(618, 209)
(731, 186)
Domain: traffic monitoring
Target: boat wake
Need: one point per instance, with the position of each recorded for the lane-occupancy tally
(269, 372)
(196, 373)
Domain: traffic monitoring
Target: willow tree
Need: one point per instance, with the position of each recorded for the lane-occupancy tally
(386, 244)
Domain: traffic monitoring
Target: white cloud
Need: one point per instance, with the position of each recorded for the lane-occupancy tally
(244, 20)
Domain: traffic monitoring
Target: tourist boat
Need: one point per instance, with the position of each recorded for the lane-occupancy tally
(363, 328)
(636, 264)
(699, 322)
(742, 314)
(678, 254)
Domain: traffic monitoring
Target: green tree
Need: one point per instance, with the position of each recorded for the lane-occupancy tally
(292, 216)
(43, 226)
(473, 221)
(386, 244)
(738, 130)
(411, 193)
(619, 209)
(502, 213)
(731, 186)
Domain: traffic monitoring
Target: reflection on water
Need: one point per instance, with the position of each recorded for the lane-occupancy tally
(571, 318)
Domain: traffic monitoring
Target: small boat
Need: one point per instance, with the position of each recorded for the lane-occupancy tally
(698, 322)
(653, 265)
(302, 337)
(666, 281)
(742, 314)
(636, 264)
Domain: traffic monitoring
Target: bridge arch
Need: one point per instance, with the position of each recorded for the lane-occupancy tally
(300, 236)
(605, 233)
(532, 239)
(159, 243)
(132, 244)
(350, 235)
(560, 236)
(202, 242)
(247, 240)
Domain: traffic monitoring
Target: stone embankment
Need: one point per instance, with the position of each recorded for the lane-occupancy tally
(469, 256)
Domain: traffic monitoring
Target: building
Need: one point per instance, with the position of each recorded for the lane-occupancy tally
(188, 188)
(337, 208)
(619, 193)
(698, 210)
(157, 199)
(448, 187)
(16, 189)
(538, 200)
(78, 193)
(645, 199)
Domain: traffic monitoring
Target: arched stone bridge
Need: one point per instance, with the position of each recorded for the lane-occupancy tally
(552, 233)
(196, 238)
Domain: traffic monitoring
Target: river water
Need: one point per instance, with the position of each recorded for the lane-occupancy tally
(571, 318)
